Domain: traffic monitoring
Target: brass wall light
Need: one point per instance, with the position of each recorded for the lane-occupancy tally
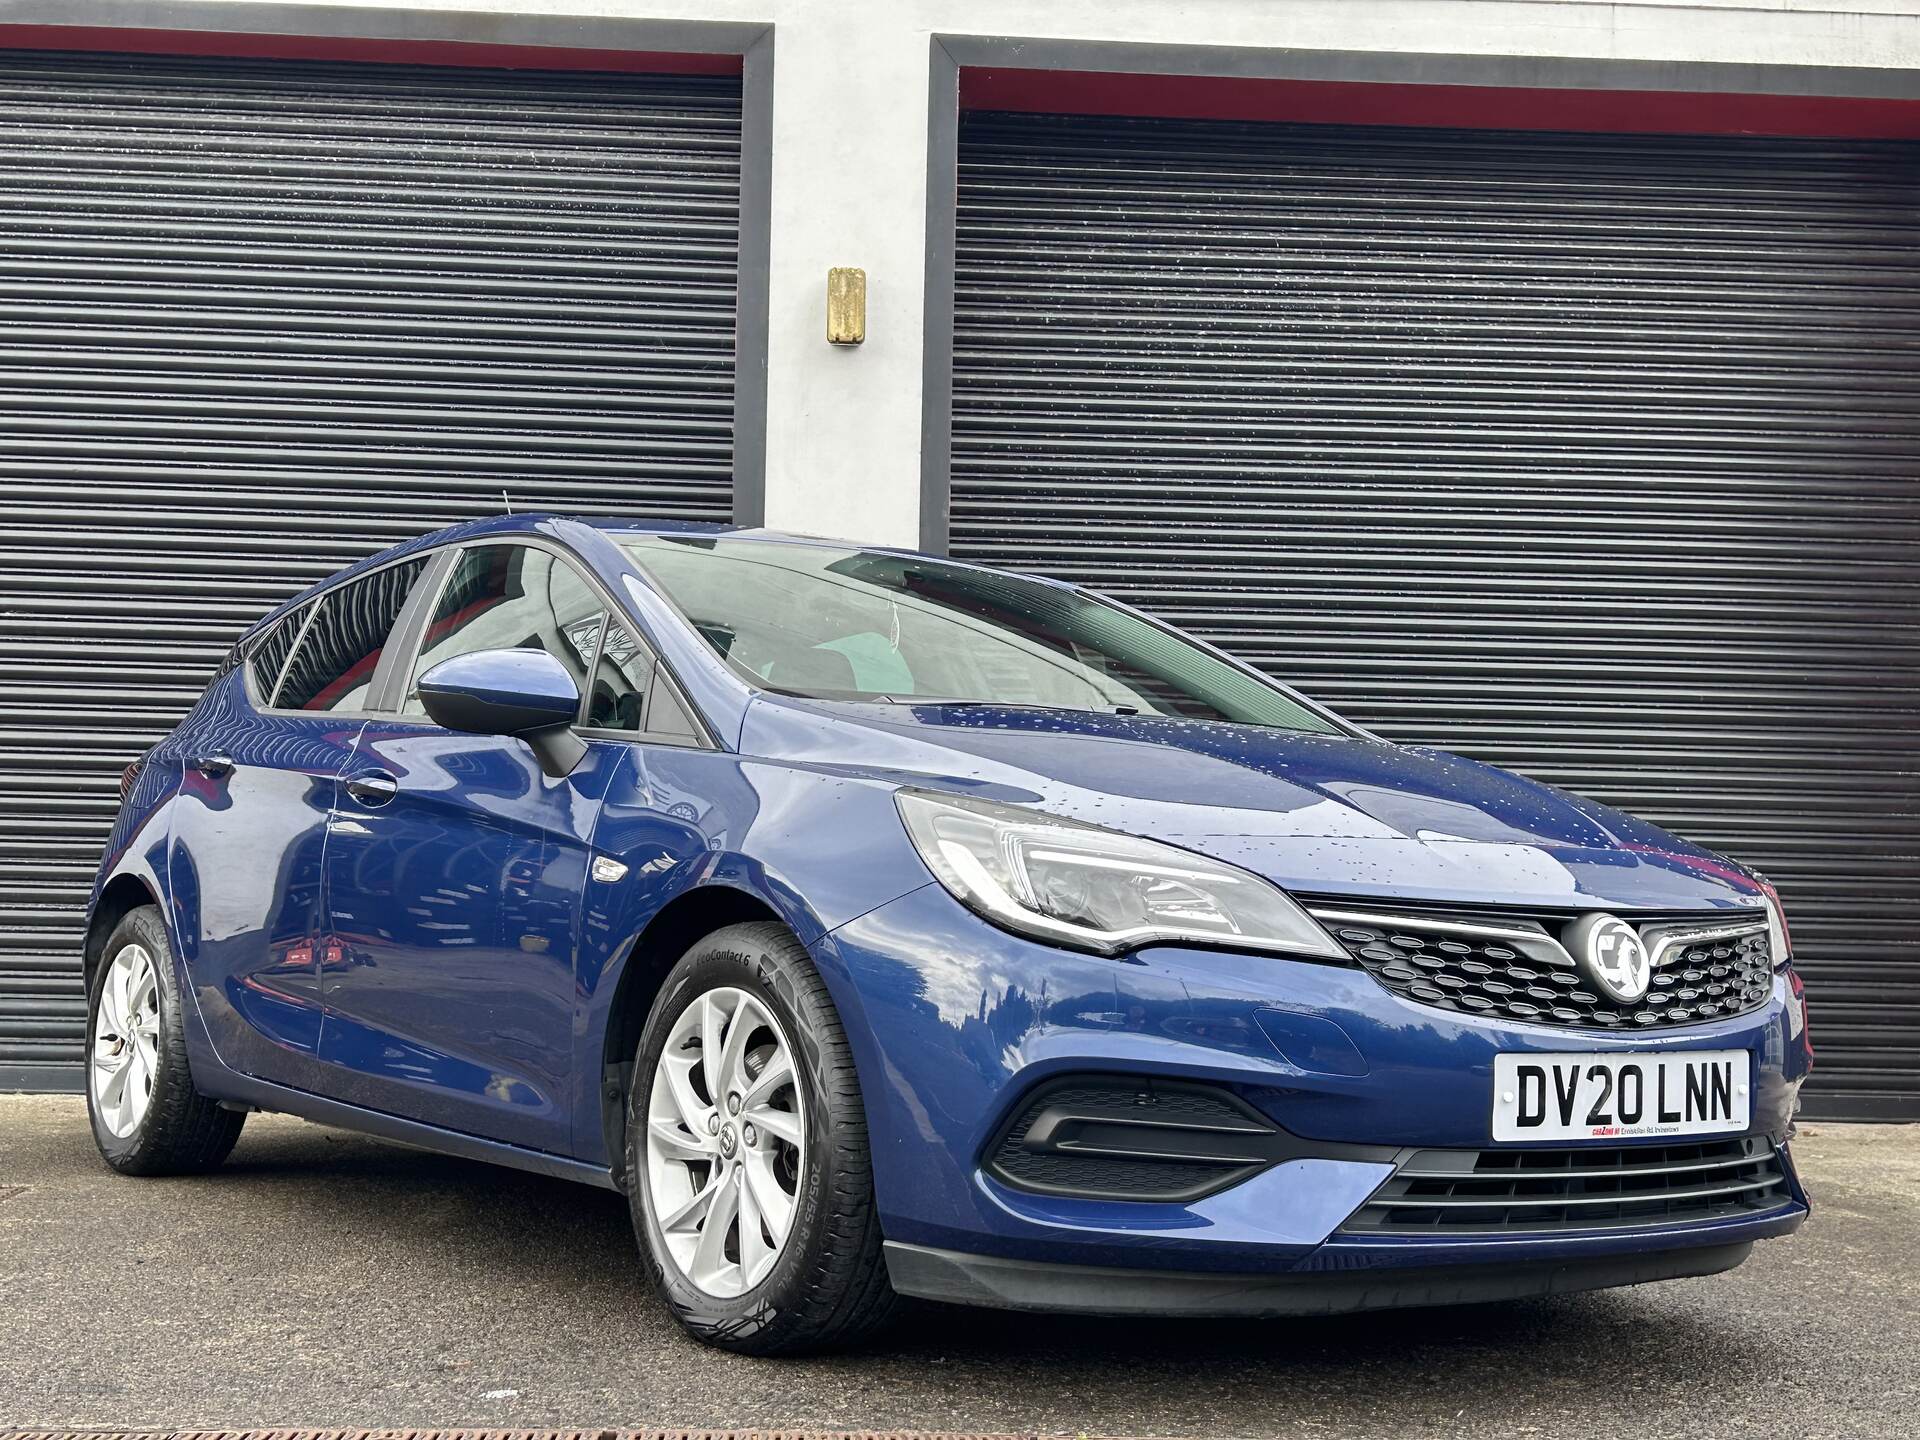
(846, 305)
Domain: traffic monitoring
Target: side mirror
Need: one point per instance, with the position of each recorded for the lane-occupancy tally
(523, 693)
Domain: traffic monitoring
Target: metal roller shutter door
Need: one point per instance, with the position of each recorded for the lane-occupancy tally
(258, 319)
(1596, 457)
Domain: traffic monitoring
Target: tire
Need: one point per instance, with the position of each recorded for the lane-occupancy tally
(827, 1287)
(177, 1131)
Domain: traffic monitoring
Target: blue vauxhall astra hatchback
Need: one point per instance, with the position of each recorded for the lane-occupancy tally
(881, 926)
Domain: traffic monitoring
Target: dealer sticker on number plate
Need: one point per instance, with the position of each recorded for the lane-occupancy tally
(1594, 1097)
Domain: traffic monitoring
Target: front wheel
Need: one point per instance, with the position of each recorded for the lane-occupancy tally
(147, 1117)
(747, 1160)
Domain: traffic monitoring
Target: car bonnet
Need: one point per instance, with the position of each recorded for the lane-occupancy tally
(1318, 814)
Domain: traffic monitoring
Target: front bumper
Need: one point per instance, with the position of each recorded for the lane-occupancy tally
(954, 1021)
(1002, 1284)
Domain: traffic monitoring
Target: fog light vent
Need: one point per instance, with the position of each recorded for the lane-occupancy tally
(1104, 1138)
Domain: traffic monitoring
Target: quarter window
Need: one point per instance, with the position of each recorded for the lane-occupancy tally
(511, 597)
(334, 667)
(630, 692)
(269, 652)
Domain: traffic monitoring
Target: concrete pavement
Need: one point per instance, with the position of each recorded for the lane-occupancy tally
(324, 1279)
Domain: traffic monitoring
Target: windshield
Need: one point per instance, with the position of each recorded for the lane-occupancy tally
(837, 624)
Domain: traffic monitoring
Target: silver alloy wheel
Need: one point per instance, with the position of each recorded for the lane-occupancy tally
(126, 1041)
(726, 1133)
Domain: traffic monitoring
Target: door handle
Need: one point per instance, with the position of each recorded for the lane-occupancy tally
(214, 767)
(374, 788)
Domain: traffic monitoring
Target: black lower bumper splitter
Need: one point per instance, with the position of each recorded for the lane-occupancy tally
(1096, 1290)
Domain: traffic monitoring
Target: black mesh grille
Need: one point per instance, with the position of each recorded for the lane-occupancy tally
(1130, 1140)
(1478, 976)
(1091, 1175)
(1569, 1189)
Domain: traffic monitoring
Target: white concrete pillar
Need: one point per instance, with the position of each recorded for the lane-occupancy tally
(848, 188)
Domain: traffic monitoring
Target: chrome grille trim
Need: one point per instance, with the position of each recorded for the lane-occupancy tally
(1666, 942)
(1539, 944)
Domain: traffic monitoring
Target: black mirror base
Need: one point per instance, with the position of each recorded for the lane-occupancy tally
(558, 750)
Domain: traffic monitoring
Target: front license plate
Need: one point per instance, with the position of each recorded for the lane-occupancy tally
(1598, 1097)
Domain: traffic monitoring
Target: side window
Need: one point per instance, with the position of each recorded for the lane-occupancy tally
(511, 597)
(334, 667)
(621, 679)
(269, 652)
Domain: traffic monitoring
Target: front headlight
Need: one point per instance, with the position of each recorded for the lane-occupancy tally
(1779, 940)
(1096, 889)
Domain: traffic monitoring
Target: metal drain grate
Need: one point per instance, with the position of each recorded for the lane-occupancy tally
(461, 1434)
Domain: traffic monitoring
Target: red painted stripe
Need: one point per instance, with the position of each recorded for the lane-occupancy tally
(1339, 102)
(361, 51)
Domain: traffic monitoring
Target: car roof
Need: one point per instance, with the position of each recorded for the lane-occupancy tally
(535, 521)
(524, 521)
(616, 525)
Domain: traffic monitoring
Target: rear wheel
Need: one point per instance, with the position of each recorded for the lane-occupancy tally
(147, 1117)
(747, 1161)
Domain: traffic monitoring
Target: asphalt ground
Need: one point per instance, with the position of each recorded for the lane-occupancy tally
(326, 1279)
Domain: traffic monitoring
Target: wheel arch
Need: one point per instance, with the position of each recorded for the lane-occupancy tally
(689, 917)
(119, 897)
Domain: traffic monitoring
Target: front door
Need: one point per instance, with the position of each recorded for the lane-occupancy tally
(454, 872)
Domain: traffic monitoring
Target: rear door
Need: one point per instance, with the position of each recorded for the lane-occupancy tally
(454, 875)
(263, 759)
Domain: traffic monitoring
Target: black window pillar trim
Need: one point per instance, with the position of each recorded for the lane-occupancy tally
(396, 661)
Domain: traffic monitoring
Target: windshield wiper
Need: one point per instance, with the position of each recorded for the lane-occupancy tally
(960, 704)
